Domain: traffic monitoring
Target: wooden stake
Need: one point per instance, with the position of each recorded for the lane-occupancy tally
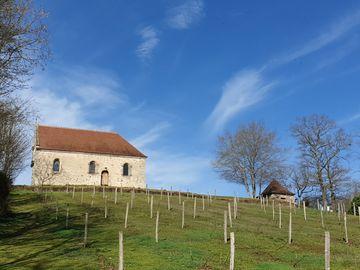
(354, 209)
(121, 251)
(151, 206)
(327, 250)
(194, 207)
(345, 227)
(273, 209)
(82, 195)
(132, 199)
(229, 212)
(115, 199)
(304, 206)
(290, 228)
(56, 211)
(67, 188)
(359, 213)
(280, 225)
(339, 211)
(183, 215)
(73, 195)
(86, 228)
(232, 251)
(235, 208)
(225, 226)
(179, 198)
(126, 215)
(161, 194)
(157, 227)
(67, 217)
(121, 190)
(168, 201)
(103, 192)
(322, 219)
(203, 203)
(106, 210)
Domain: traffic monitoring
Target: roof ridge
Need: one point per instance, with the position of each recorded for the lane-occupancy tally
(81, 129)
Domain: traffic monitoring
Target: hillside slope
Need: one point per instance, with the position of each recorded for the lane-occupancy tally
(34, 239)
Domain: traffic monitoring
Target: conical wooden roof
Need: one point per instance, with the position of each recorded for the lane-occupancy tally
(276, 188)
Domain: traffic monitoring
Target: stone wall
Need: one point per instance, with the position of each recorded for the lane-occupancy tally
(286, 198)
(74, 169)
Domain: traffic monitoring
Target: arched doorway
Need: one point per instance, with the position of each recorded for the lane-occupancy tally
(104, 178)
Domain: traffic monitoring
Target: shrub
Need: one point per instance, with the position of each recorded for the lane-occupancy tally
(5, 185)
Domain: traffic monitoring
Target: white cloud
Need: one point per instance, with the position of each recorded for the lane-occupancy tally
(151, 136)
(335, 32)
(181, 17)
(243, 90)
(248, 88)
(353, 118)
(71, 97)
(150, 40)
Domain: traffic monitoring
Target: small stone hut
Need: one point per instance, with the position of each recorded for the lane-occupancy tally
(276, 191)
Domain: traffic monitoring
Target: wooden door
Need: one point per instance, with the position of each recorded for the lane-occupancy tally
(105, 178)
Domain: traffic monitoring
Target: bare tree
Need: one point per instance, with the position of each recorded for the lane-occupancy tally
(14, 136)
(338, 177)
(320, 141)
(14, 146)
(23, 47)
(42, 172)
(23, 43)
(250, 157)
(300, 181)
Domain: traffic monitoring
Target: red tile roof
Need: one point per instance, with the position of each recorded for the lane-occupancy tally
(276, 188)
(87, 141)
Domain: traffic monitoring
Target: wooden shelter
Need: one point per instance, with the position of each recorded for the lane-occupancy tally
(276, 191)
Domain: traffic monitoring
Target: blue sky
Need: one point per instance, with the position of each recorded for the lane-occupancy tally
(170, 76)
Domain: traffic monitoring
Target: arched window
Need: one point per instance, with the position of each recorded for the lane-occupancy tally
(56, 165)
(92, 167)
(126, 169)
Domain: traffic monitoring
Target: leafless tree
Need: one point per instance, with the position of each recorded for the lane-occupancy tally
(301, 181)
(250, 157)
(14, 136)
(14, 145)
(338, 177)
(23, 43)
(42, 172)
(320, 142)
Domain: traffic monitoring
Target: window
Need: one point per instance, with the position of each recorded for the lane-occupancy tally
(56, 165)
(126, 169)
(92, 167)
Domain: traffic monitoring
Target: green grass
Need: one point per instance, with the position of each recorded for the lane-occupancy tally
(33, 239)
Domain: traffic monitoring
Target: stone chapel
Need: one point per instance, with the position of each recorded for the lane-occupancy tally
(62, 156)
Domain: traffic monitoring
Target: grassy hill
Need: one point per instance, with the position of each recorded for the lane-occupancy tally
(34, 239)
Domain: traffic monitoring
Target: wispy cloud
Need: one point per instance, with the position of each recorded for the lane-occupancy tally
(334, 33)
(186, 14)
(241, 91)
(352, 118)
(71, 97)
(249, 87)
(150, 40)
(151, 135)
